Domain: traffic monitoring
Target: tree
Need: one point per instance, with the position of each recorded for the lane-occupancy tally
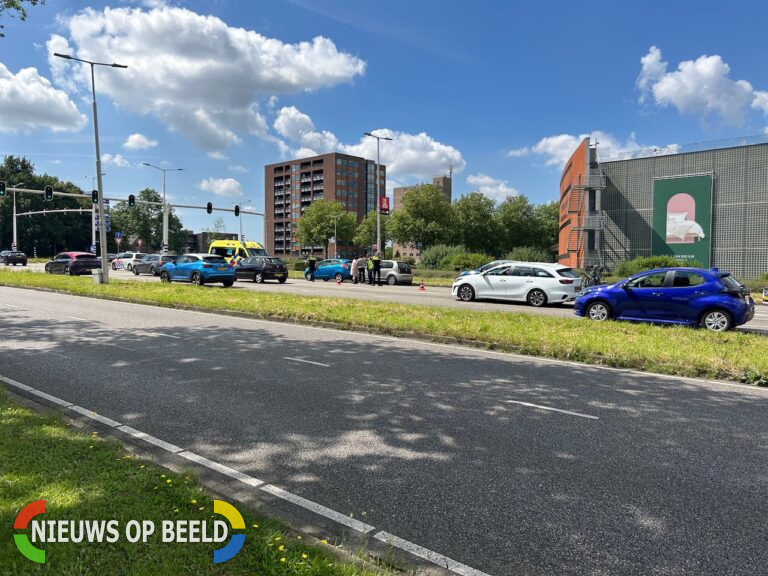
(365, 234)
(516, 219)
(548, 225)
(17, 8)
(476, 225)
(217, 230)
(425, 219)
(48, 233)
(316, 225)
(145, 222)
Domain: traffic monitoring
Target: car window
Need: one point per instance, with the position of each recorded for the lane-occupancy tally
(731, 282)
(276, 260)
(324, 263)
(168, 258)
(567, 273)
(522, 271)
(214, 260)
(60, 257)
(686, 279)
(85, 257)
(541, 273)
(500, 271)
(387, 264)
(192, 259)
(654, 280)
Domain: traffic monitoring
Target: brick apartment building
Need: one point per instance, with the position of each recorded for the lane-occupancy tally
(291, 186)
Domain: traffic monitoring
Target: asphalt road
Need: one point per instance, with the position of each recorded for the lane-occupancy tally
(442, 446)
(432, 296)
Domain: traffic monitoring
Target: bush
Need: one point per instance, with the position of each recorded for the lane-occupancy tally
(528, 254)
(295, 263)
(437, 256)
(467, 261)
(636, 265)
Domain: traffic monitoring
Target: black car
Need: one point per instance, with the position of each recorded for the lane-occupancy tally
(72, 263)
(14, 257)
(260, 268)
(152, 263)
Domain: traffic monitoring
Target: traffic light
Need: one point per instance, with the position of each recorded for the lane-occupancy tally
(237, 210)
(2, 188)
(209, 208)
(131, 200)
(95, 196)
(48, 193)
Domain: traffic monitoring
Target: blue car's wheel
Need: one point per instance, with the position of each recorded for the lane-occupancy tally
(717, 321)
(599, 311)
(164, 276)
(196, 279)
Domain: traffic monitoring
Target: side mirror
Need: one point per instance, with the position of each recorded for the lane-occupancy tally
(625, 286)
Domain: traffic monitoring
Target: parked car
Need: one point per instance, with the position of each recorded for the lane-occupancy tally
(111, 256)
(336, 268)
(127, 260)
(537, 283)
(152, 263)
(72, 263)
(394, 272)
(692, 296)
(14, 257)
(486, 266)
(260, 268)
(199, 269)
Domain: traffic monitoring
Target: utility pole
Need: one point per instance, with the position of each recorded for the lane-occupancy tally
(164, 247)
(378, 193)
(15, 237)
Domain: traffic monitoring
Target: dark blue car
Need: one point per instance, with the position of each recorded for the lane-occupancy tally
(337, 269)
(692, 296)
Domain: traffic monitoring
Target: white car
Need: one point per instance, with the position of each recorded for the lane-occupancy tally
(537, 283)
(126, 260)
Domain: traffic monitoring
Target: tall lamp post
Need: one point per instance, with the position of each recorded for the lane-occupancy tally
(335, 237)
(241, 219)
(378, 180)
(165, 203)
(15, 239)
(102, 220)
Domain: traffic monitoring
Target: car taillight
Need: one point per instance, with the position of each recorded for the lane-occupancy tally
(207, 265)
(566, 281)
(344, 266)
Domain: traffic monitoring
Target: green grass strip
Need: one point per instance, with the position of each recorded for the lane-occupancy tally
(672, 350)
(82, 477)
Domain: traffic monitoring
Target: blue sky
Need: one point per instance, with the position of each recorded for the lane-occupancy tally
(502, 91)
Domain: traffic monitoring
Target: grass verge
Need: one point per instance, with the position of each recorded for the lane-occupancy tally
(678, 351)
(82, 477)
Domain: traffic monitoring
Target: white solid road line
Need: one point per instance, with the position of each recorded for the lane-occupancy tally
(319, 509)
(11, 305)
(553, 409)
(307, 361)
(165, 335)
(427, 554)
(76, 318)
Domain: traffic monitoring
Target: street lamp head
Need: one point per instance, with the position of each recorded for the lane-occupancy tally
(19, 184)
(66, 56)
(118, 65)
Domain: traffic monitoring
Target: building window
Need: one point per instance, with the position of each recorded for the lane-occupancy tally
(592, 200)
(590, 239)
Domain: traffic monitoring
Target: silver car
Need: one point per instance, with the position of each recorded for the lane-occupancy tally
(395, 272)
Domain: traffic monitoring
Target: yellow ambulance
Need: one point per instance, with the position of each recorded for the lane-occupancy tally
(234, 250)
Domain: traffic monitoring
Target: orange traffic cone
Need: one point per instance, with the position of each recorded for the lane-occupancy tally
(421, 286)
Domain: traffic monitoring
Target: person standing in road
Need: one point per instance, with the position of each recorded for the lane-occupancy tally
(361, 264)
(312, 263)
(355, 263)
(376, 278)
(369, 270)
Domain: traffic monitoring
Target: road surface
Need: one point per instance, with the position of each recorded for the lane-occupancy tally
(510, 465)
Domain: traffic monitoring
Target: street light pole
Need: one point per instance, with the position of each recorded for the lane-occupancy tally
(335, 237)
(378, 193)
(93, 212)
(165, 204)
(15, 238)
(102, 213)
(241, 219)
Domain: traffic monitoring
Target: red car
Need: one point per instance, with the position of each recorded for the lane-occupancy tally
(72, 263)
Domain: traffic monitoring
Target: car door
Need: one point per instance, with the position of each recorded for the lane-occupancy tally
(176, 271)
(685, 288)
(57, 265)
(323, 269)
(521, 279)
(493, 283)
(645, 297)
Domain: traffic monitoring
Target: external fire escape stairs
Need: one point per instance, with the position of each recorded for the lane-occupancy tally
(583, 219)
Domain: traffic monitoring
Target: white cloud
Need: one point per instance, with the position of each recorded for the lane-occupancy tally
(28, 102)
(491, 187)
(760, 102)
(221, 186)
(204, 78)
(139, 142)
(238, 168)
(115, 160)
(217, 155)
(414, 156)
(700, 87)
(519, 152)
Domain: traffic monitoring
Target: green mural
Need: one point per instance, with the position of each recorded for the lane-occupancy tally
(682, 217)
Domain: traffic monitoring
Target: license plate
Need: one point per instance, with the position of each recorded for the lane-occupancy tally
(222, 267)
(280, 274)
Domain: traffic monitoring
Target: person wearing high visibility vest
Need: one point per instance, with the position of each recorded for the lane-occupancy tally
(376, 276)
(312, 263)
(369, 270)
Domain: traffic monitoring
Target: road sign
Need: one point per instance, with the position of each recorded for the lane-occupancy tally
(118, 235)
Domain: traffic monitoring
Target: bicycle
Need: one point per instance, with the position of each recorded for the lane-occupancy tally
(593, 276)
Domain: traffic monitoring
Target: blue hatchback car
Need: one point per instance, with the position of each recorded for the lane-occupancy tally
(199, 269)
(332, 268)
(692, 296)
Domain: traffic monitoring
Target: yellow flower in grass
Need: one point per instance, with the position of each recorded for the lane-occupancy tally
(201, 508)
(304, 556)
(323, 541)
(255, 525)
(281, 548)
(298, 537)
(194, 501)
(282, 559)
